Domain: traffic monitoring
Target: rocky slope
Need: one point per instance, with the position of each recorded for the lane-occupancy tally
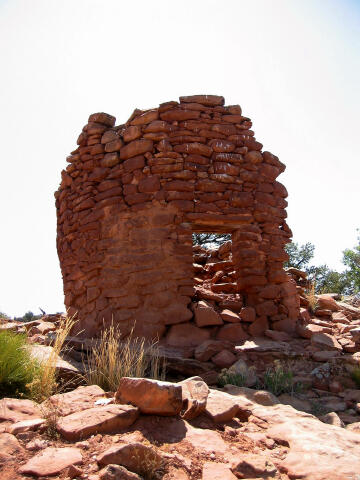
(152, 429)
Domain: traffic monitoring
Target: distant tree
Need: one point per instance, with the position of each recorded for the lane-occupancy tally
(28, 316)
(351, 258)
(209, 240)
(325, 279)
(3, 315)
(299, 255)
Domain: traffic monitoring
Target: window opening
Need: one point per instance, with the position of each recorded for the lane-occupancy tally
(213, 262)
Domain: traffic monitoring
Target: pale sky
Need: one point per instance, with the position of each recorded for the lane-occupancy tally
(292, 65)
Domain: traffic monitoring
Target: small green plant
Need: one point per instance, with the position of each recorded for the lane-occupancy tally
(279, 379)
(17, 368)
(355, 375)
(227, 377)
(50, 412)
(113, 358)
(318, 409)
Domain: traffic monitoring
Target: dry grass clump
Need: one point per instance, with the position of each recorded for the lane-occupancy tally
(44, 383)
(113, 358)
(311, 297)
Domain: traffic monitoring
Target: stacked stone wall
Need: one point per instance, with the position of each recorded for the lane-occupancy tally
(133, 194)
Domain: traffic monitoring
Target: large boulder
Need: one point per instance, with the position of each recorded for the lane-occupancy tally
(151, 396)
(317, 451)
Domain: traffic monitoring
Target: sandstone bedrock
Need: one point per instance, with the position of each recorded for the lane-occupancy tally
(130, 199)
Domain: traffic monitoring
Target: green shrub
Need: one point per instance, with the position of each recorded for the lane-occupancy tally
(278, 380)
(355, 375)
(229, 378)
(17, 368)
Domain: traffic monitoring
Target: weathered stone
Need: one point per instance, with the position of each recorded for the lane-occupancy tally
(135, 456)
(194, 396)
(233, 333)
(327, 302)
(150, 396)
(205, 315)
(324, 340)
(186, 335)
(134, 148)
(26, 425)
(82, 398)
(16, 410)
(224, 359)
(9, 446)
(221, 407)
(217, 471)
(229, 316)
(102, 419)
(117, 472)
(52, 461)
(209, 348)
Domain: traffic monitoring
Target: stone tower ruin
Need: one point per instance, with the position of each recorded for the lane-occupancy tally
(133, 195)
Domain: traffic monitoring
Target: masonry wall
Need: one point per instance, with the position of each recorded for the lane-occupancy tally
(133, 194)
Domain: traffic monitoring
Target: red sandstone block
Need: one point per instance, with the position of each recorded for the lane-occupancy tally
(137, 198)
(136, 147)
(179, 196)
(107, 184)
(149, 184)
(194, 148)
(211, 134)
(233, 118)
(270, 172)
(114, 145)
(233, 333)
(222, 146)
(179, 115)
(180, 186)
(177, 167)
(209, 186)
(208, 100)
(222, 167)
(159, 126)
(133, 164)
(112, 192)
(110, 159)
(132, 133)
(95, 129)
(146, 117)
(98, 174)
(183, 205)
(109, 136)
(103, 118)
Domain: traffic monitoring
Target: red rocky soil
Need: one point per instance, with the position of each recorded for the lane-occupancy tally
(241, 433)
